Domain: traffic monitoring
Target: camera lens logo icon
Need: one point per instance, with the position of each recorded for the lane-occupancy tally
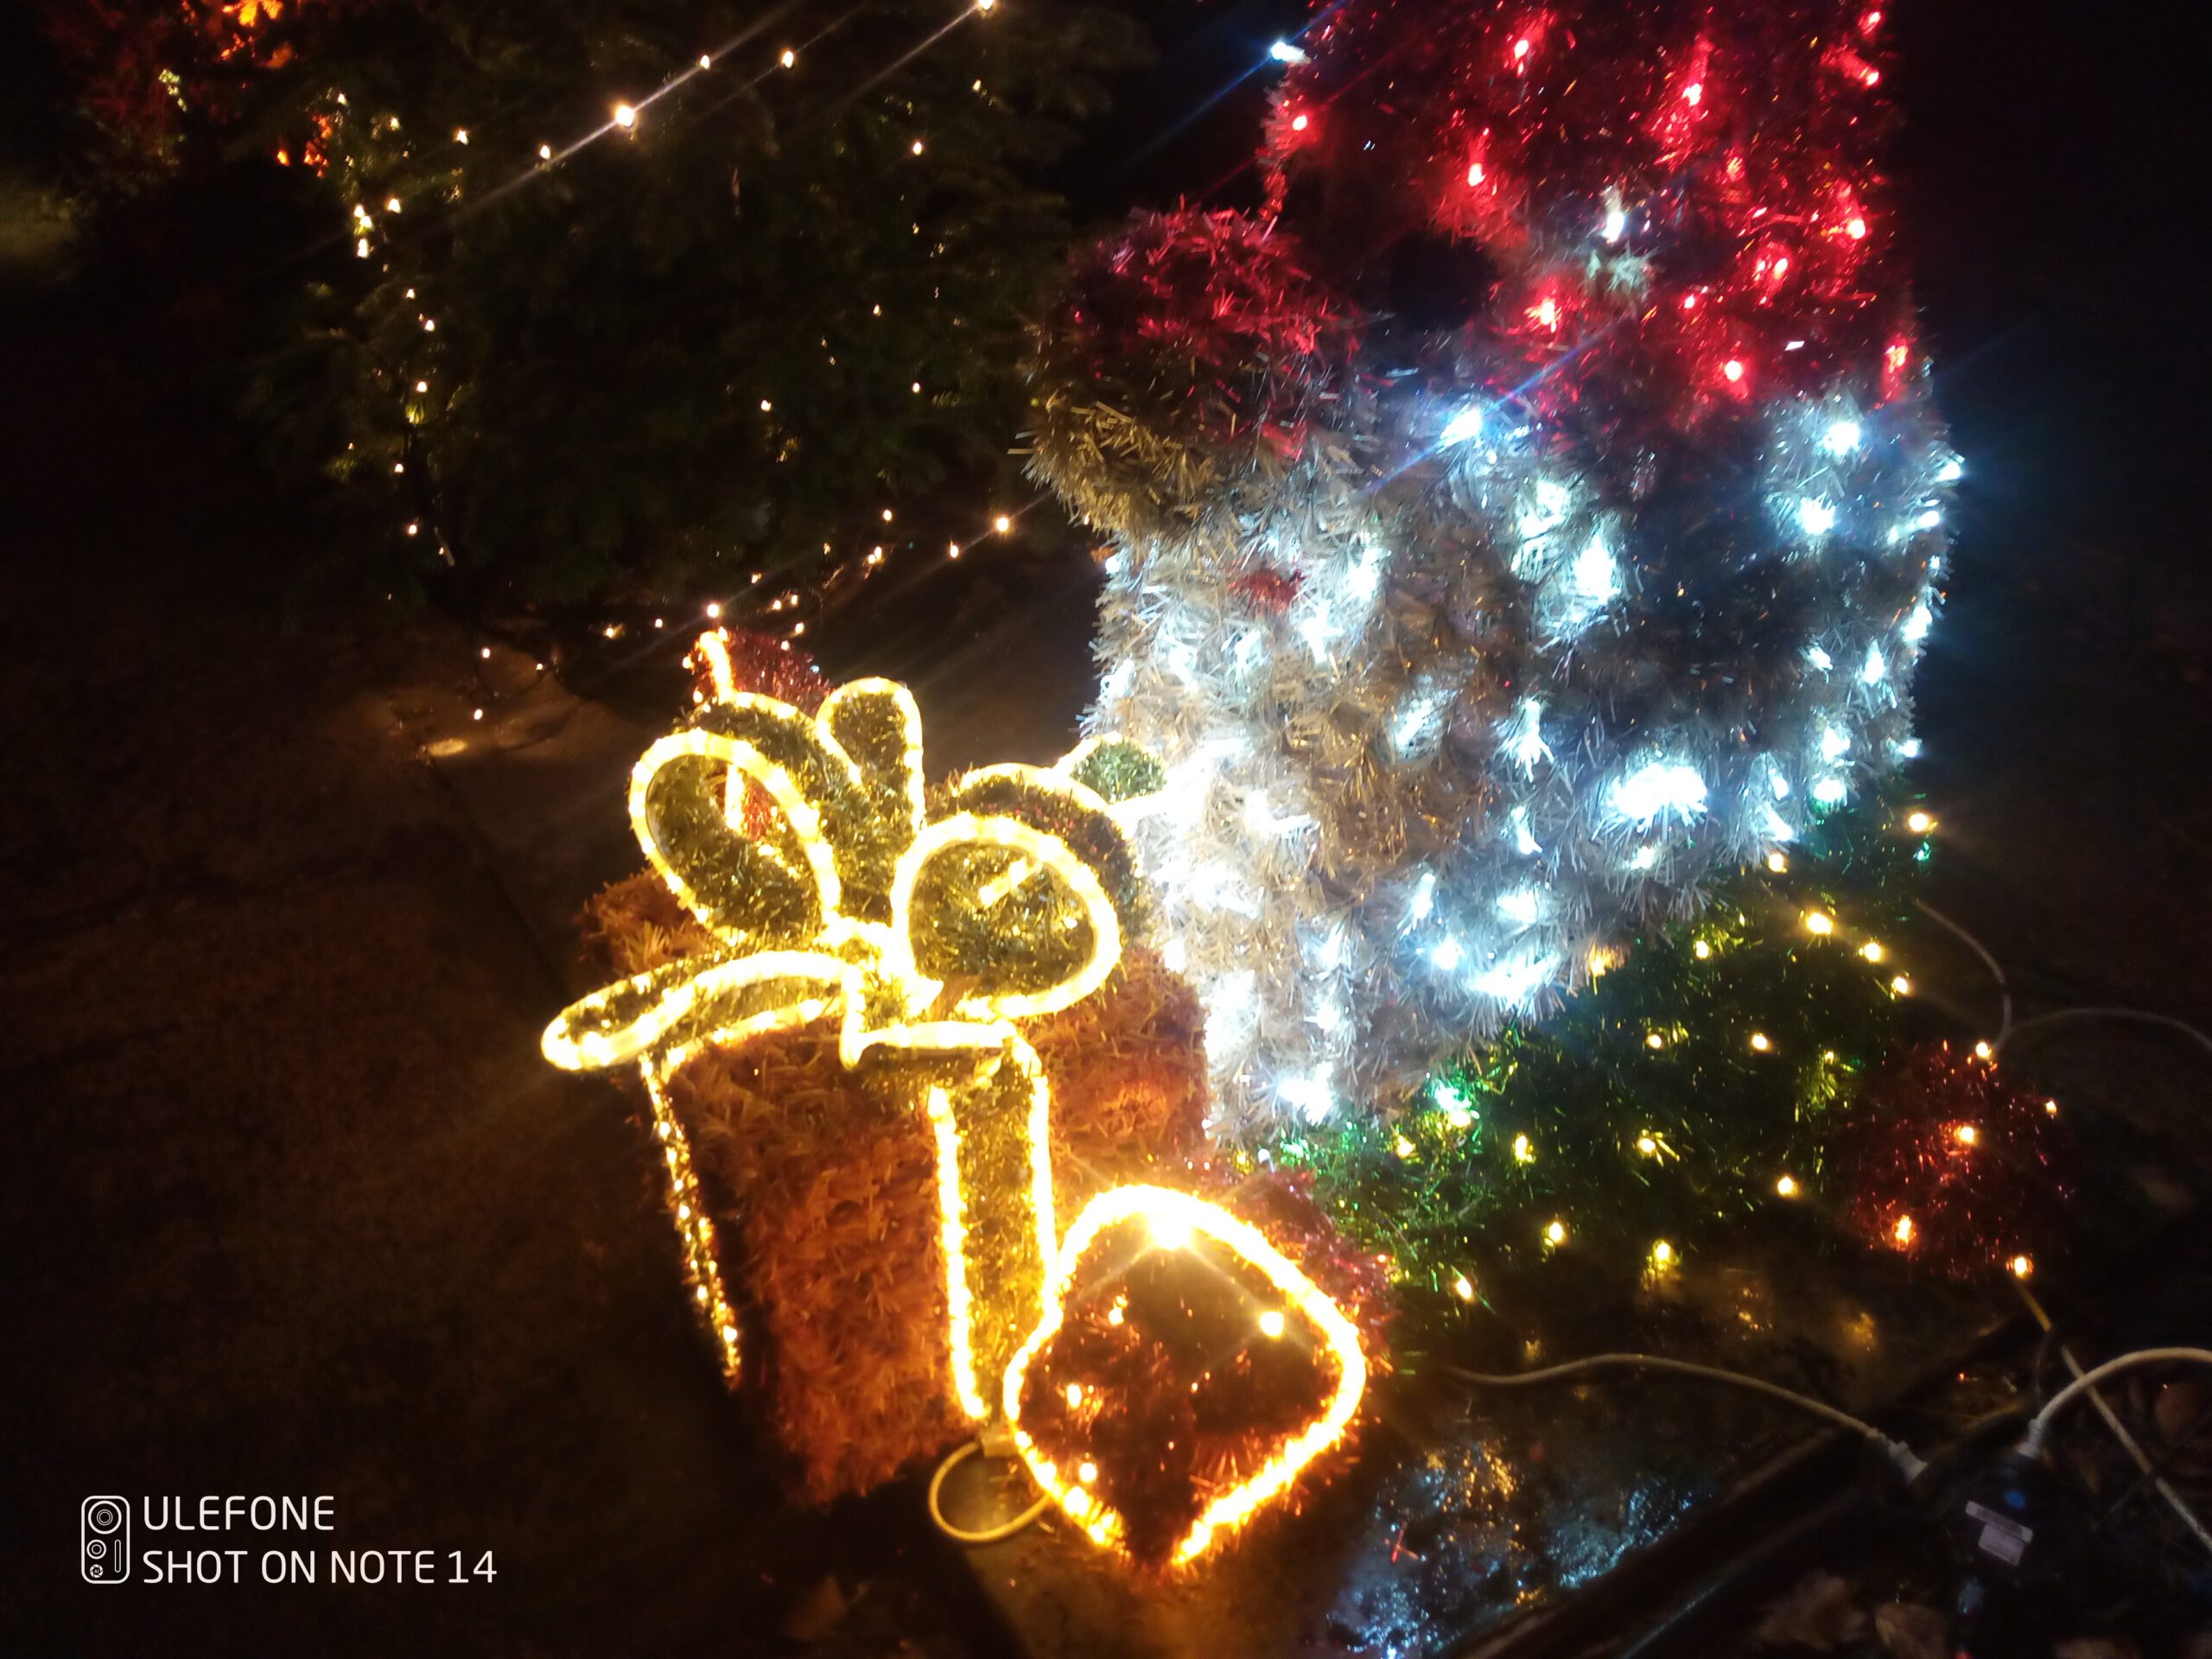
(105, 1543)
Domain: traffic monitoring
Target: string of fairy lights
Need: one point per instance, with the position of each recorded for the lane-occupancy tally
(764, 605)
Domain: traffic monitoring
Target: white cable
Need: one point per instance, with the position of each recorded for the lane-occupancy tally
(2159, 1482)
(989, 1534)
(1896, 1451)
(2141, 1016)
(2039, 1426)
(2008, 1027)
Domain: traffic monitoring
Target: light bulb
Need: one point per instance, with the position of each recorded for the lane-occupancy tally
(1467, 423)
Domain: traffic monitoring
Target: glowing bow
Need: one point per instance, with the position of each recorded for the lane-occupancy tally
(924, 938)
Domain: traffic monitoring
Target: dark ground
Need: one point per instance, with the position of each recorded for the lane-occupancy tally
(291, 1204)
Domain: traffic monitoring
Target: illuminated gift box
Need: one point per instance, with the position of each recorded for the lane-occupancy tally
(824, 1192)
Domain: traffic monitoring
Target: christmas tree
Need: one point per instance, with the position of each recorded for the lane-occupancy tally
(1528, 521)
(626, 294)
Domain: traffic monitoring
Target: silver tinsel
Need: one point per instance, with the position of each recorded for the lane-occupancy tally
(1504, 718)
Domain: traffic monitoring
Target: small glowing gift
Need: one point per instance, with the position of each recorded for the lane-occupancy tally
(923, 936)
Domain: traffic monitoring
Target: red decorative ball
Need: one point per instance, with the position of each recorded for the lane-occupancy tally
(1268, 592)
(1947, 1161)
(1193, 352)
(759, 662)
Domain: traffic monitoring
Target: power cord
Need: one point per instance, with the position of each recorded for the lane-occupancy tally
(2159, 1482)
(2008, 1027)
(2039, 1425)
(1907, 1461)
(989, 1535)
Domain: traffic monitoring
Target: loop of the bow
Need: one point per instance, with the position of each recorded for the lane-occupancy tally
(849, 900)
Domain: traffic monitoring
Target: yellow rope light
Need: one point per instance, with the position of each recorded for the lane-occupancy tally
(838, 939)
(1173, 1216)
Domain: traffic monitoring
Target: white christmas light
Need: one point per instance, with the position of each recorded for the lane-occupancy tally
(1597, 578)
(1657, 788)
(1917, 624)
(1284, 51)
(1524, 843)
(1841, 437)
(1515, 981)
(1467, 423)
(1549, 504)
(1876, 666)
(1424, 898)
(1521, 905)
(1829, 791)
(1951, 471)
(1819, 659)
(1524, 734)
(1310, 1097)
(1448, 955)
(1817, 517)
